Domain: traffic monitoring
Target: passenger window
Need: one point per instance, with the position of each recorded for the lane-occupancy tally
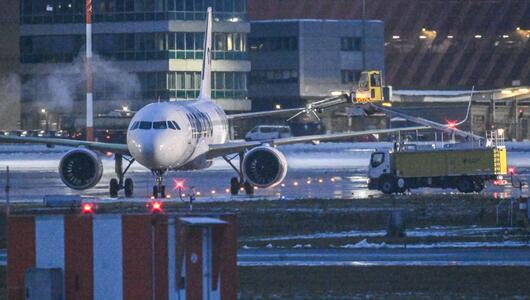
(145, 125)
(377, 159)
(266, 129)
(135, 125)
(159, 125)
(176, 125)
(171, 125)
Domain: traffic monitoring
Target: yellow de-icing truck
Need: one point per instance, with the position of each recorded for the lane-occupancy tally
(461, 166)
(371, 89)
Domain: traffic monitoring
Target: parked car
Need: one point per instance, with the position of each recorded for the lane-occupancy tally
(267, 132)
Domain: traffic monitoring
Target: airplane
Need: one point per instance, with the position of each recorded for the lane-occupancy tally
(184, 135)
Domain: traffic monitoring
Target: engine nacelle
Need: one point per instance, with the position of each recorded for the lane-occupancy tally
(80, 169)
(264, 166)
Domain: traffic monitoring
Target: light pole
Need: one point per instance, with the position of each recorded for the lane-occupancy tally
(45, 113)
(363, 41)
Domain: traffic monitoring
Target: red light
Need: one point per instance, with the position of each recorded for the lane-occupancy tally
(156, 206)
(451, 124)
(178, 185)
(87, 208)
(511, 170)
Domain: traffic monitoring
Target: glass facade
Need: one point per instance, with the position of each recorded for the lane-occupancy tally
(133, 46)
(157, 63)
(185, 85)
(73, 11)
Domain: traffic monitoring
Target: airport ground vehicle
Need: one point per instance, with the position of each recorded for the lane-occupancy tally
(371, 89)
(462, 166)
(265, 132)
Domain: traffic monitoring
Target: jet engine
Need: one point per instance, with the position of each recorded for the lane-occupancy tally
(80, 169)
(264, 166)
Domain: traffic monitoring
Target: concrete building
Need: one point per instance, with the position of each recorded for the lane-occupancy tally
(144, 51)
(9, 66)
(295, 61)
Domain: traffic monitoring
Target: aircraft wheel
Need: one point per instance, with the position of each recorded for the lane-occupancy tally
(114, 187)
(249, 189)
(162, 191)
(465, 185)
(234, 186)
(388, 185)
(129, 187)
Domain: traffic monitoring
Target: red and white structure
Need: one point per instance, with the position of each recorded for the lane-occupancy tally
(88, 74)
(118, 256)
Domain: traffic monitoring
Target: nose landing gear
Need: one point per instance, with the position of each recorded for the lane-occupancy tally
(237, 183)
(118, 184)
(159, 190)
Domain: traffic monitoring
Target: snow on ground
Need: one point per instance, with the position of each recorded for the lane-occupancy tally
(431, 231)
(365, 244)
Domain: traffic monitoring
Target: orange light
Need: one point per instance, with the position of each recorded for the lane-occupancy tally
(87, 208)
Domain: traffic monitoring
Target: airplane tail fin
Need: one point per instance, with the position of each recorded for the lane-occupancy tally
(206, 72)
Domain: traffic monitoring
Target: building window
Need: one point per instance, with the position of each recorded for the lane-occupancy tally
(350, 44)
(273, 76)
(349, 76)
(133, 46)
(274, 44)
(73, 11)
(186, 85)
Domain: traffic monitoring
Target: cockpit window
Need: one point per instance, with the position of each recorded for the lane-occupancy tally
(145, 125)
(176, 125)
(135, 125)
(159, 125)
(171, 125)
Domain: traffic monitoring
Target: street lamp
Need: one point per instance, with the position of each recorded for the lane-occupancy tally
(45, 113)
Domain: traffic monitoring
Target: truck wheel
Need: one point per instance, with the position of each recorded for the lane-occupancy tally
(478, 185)
(465, 185)
(388, 185)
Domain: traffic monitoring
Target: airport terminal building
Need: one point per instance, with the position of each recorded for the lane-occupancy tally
(144, 51)
(296, 61)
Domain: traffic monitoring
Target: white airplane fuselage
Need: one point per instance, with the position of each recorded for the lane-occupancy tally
(159, 145)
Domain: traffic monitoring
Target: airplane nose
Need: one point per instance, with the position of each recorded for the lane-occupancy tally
(150, 151)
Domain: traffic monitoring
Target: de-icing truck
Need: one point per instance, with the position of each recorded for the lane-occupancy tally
(466, 167)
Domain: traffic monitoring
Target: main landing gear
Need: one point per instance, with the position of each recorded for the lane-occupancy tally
(159, 190)
(118, 184)
(237, 183)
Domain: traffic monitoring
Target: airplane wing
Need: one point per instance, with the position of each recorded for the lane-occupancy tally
(311, 107)
(429, 123)
(234, 147)
(103, 147)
